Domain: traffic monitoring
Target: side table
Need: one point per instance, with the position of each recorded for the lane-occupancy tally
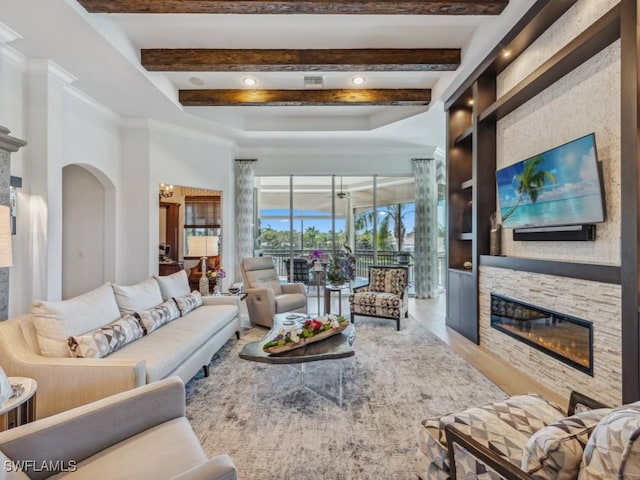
(20, 409)
(328, 289)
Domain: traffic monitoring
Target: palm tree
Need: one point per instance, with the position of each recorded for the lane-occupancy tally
(395, 213)
(311, 235)
(530, 182)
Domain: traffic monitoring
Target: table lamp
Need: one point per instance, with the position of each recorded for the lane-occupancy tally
(203, 246)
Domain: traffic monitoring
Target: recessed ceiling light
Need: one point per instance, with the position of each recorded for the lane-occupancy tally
(506, 54)
(249, 82)
(359, 80)
(470, 102)
(197, 81)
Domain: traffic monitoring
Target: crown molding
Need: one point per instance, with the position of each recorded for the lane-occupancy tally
(50, 68)
(91, 102)
(8, 35)
(13, 57)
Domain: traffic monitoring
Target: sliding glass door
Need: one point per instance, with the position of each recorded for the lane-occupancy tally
(303, 217)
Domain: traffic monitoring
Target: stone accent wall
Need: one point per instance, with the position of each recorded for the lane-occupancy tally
(599, 303)
(563, 112)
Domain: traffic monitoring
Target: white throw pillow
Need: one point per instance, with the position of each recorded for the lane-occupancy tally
(55, 322)
(174, 285)
(138, 297)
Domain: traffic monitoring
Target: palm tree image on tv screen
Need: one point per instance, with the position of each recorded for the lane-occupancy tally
(561, 186)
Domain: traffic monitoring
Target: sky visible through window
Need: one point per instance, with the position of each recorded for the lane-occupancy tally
(279, 220)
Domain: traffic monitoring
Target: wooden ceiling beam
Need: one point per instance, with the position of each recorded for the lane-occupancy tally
(326, 60)
(342, 7)
(354, 97)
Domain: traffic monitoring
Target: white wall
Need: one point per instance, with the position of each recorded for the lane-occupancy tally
(194, 160)
(326, 160)
(83, 226)
(109, 228)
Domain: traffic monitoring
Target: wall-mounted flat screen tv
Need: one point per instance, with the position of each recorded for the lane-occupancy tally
(561, 186)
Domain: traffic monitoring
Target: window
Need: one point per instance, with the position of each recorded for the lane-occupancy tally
(202, 217)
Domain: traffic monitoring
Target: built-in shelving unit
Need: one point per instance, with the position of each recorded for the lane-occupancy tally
(473, 112)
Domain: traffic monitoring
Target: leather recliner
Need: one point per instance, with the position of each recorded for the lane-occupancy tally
(266, 296)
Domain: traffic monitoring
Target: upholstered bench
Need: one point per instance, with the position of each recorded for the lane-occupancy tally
(522, 437)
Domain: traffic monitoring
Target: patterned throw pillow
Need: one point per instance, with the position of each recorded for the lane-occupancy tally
(105, 340)
(189, 302)
(555, 451)
(155, 317)
(613, 450)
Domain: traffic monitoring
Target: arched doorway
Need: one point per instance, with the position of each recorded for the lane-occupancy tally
(88, 243)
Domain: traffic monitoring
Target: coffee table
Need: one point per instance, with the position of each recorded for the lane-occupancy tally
(337, 347)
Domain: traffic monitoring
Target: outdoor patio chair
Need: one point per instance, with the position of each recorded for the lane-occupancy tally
(301, 269)
(385, 296)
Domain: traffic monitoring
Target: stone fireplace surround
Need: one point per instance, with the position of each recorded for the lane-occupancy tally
(595, 302)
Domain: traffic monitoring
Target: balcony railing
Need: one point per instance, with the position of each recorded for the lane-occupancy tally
(364, 258)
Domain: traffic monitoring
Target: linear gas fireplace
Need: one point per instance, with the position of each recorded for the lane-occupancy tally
(565, 338)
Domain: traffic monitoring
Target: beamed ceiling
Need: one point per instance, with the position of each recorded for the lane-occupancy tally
(257, 60)
(334, 7)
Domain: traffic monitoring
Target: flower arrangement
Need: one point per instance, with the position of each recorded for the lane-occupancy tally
(217, 273)
(315, 255)
(310, 331)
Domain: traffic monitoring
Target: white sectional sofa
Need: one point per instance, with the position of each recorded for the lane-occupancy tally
(115, 338)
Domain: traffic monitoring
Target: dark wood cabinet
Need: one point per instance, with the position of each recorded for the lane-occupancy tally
(167, 268)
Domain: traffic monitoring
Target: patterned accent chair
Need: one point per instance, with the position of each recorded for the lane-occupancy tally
(526, 437)
(266, 296)
(385, 296)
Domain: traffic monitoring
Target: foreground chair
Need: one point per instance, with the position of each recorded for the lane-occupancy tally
(266, 296)
(141, 433)
(385, 296)
(526, 437)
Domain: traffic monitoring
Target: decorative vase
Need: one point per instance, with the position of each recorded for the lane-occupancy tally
(204, 285)
(216, 290)
(495, 240)
(5, 388)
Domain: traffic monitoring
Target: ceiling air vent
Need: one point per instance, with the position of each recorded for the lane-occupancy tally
(314, 82)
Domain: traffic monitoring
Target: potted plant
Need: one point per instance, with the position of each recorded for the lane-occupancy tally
(335, 274)
(404, 258)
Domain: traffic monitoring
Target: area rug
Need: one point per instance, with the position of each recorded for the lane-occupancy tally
(395, 380)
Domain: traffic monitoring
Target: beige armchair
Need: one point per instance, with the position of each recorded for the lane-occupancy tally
(140, 433)
(266, 296)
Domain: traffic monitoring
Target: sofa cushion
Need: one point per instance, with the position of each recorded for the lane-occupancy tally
(613, 450)
(105, 340)
(55, 322)
(141, 296)
(158, 316)
(174, 285)
(392, 280)
(163, 451)
(189, 302)
(503, 426)
(168, 347)
(555, 451)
